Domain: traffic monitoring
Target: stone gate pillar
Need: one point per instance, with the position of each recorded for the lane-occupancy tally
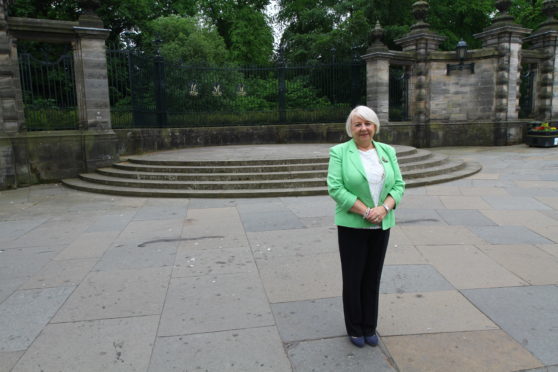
(91, 73)
(377, 75)
(92, 93)
(421, 41)
(545, 40)
(11, 108)
(507, 37)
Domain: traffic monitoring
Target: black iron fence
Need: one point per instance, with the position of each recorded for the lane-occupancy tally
(150, 92)
(398, 93)
(49, 93)
(147, 92)
(528, 73)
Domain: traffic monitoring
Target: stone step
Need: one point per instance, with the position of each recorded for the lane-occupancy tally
(203, 185)
(81, 185)
(225, 163)
(78, 184)
(170, 175)
(449, 166)
(418, 155)
(430, 161)
(469, 169)
(221, 169)
(114, 172)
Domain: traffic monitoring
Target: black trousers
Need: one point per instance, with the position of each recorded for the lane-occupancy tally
(362, 259)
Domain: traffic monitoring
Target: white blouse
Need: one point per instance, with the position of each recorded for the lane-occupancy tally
(374, 173)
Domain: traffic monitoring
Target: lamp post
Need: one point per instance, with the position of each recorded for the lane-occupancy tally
(461, 53)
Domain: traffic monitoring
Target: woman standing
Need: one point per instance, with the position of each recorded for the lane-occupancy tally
(365, 181)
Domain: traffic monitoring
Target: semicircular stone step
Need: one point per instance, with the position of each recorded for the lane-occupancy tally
(187, 174)
(203, 185)
(114, 172)
(221, 169)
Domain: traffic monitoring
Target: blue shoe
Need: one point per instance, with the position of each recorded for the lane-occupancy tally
(371, 340)
(357, 341)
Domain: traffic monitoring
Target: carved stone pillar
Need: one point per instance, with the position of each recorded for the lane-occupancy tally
(545, 39)
(506, 37)
(377, 74)
(422, 42)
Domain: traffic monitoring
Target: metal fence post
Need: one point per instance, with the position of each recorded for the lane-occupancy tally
(354, 78)
(282, 89)
(160, 88)
(135, 109)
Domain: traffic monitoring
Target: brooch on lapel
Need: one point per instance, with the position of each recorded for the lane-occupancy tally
(384, 159)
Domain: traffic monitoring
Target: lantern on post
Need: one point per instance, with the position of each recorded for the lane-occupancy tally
(461, 53)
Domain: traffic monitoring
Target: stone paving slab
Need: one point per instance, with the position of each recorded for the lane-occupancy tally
(11, 230)
(297, 242)
(549, 232)
(464, 217)
(140, 232)
(53, 234)
(269, 218)
(549, 248)
(493, 351)
(443, 189)
(61, 273)
(196, 262)
(308, 277)
(403, 255)
(534, 265)
(88, 245)
(162, 210)
(519, 218)
(309, 320)
(422, 202)
(336, 354)
(552, 202)
(316, 207)
(440, 235)
(126, 256)
(406, 216)
(412, 278)
(24, 314)
(483, 191)
(515, 203)
(533, 322)
(112, 221)
(9, 359)
(214, 303)
(101, 345)
(464, 202)
(116, 294)
(222, 351)
(429, 312)
(509, 235)
(466, 266)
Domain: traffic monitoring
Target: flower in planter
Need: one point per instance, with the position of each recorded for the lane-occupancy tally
(544, 127)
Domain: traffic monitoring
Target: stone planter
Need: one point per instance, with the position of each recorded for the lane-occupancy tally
(542, 138)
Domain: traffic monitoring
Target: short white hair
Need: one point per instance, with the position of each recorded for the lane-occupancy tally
(364, 112)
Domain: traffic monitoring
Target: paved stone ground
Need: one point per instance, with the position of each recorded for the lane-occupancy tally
(98, 283)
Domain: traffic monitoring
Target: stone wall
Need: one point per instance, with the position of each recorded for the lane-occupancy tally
(461, 95)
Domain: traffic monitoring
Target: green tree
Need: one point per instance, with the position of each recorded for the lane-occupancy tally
(185, 39)
(243, 26)
(117, 15)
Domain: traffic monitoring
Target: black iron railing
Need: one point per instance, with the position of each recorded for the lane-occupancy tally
(148, 91)
(528, 73)
(49, 94)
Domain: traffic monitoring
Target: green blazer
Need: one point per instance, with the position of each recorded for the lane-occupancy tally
(346, 182)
